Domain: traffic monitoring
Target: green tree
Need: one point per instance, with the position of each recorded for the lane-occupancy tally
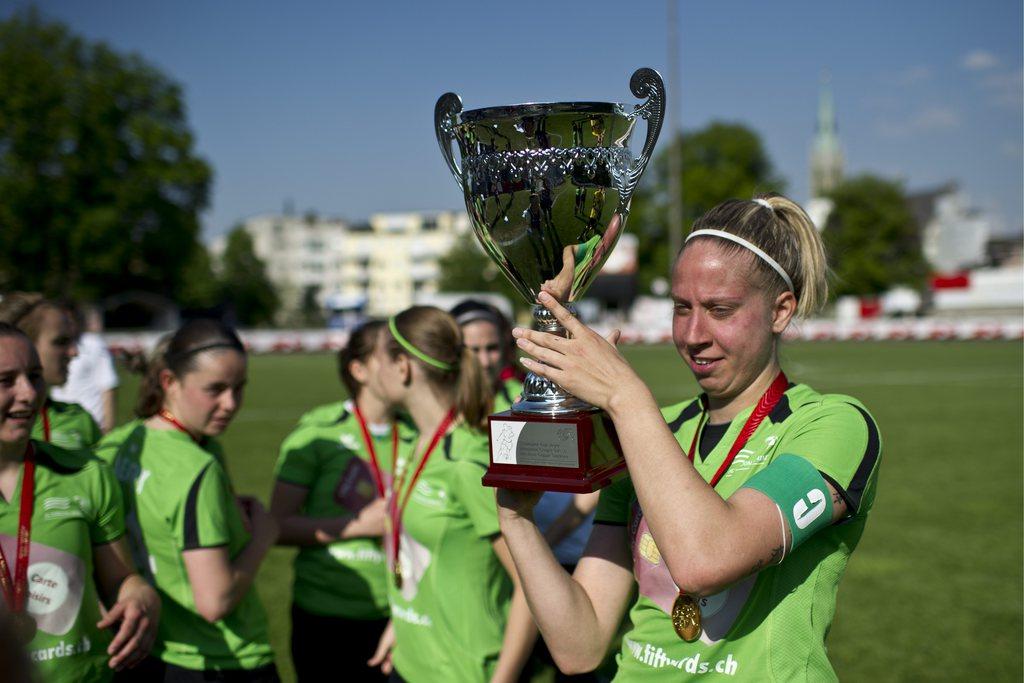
(200, 287)
(872, 238)
(100, 186)
(720, 161)
(465, 268)
(245, 285)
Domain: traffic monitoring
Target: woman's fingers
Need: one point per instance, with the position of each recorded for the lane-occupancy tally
(112, 616)
(562, 314)
(545, 339)
(548, 356)
(133, 650)
(614, 336)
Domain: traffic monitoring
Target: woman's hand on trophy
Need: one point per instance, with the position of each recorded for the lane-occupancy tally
(585, 364)
(513, 503)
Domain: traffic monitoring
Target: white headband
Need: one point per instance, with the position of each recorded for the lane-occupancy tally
(744, 243)
(764, 203)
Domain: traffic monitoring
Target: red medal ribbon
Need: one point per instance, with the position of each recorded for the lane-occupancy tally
(764, 407)
(168, 417)
(395, 510)
(16, 589)
(46, 422)
(378, 477)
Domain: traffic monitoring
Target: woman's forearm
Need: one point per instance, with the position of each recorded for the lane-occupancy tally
(520, 635)
(304, 531)
(560, 606)
(693, 526)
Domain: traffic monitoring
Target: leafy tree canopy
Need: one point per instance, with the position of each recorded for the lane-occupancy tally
(720, 161)
(872, 239)
(244, 281)
(101, 186)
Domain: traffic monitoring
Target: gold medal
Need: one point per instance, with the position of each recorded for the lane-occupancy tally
(686, 617)
(24, 627)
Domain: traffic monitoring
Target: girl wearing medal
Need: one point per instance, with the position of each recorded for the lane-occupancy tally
(329, 501)
(61, 546)
(51, 328)
(457, 611)
(742, 505)
(198, 542)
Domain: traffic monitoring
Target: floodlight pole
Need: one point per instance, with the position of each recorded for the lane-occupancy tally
(675, 159)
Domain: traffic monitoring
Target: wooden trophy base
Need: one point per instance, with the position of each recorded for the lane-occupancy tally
(577, 453)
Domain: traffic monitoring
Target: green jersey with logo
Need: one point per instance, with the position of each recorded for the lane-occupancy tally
(77, 506)
(71, 426)
(449, 614)
(326, 455)
(770, 626)
(178, 498)
(507, 394)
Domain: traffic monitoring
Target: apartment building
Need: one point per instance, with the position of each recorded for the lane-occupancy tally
(380, 265)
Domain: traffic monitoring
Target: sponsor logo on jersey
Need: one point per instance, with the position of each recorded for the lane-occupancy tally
(59, 507)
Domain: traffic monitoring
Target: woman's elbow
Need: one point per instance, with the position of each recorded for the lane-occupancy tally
(696, 579)
(576, 663)
(212, 608)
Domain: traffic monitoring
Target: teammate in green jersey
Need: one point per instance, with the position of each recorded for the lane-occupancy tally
(328, 500)
(457, 612)
(51, 328)
(72, 524)
(197, 541)
(488, 334)
(741, 513)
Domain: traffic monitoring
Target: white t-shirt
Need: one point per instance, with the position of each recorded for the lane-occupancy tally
(90, 374)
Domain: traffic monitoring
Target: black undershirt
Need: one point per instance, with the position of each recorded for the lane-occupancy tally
(709, 438)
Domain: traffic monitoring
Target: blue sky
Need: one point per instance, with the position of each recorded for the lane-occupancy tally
(329, 104)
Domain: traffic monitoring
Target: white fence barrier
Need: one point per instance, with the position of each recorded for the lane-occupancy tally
(918, 329)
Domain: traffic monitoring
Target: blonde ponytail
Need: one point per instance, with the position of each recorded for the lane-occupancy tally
(432, 339)
(782, 230)
(473, 396)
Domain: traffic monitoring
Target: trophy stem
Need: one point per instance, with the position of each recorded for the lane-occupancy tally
(542, 396)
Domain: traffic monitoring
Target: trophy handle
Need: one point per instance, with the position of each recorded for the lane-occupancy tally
(646, 82)
(448, 107)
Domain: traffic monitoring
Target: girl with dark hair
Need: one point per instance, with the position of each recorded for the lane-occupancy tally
(61, 546)
(329, 501)
(198, 542)
(457, 612)
(52, 330)
(742, 505)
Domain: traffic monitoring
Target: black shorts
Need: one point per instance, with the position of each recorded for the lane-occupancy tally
(153, 670)
(322, 644)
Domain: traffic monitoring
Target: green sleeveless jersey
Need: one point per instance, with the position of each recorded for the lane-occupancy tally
(326, 455)
(177, 498)
(77, 506)
(449, 614)
(71, 426)
(772, 625)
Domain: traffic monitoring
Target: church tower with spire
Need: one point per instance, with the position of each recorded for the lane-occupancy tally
(826, 156)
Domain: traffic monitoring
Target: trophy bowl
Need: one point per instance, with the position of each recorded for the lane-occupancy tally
(548, 187)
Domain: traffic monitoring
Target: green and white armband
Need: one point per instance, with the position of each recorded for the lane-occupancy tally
(801, 493)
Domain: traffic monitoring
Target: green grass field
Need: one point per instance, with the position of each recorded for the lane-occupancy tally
(934, 592)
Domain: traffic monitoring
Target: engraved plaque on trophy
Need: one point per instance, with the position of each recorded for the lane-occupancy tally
(548, 188)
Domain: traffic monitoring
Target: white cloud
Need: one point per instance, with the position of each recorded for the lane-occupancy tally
(979, 60)
(928, 120)
(910, 75)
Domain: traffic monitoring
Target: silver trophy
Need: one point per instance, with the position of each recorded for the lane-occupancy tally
(548, 188)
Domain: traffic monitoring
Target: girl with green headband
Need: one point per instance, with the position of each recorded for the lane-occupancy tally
(457, 611)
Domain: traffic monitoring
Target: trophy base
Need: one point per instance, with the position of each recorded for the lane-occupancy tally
(575, 453)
